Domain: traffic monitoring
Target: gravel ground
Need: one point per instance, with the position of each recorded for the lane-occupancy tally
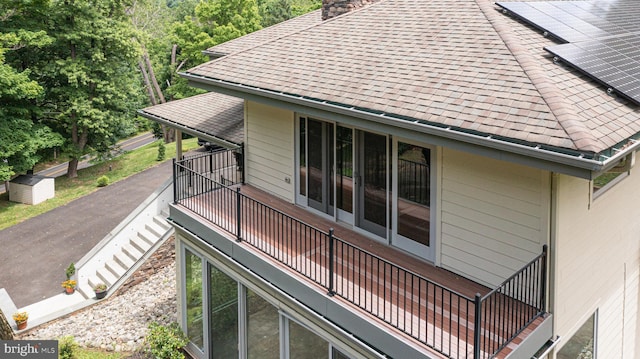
(120, 322)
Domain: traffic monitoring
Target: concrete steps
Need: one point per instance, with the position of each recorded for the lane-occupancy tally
(128, 256)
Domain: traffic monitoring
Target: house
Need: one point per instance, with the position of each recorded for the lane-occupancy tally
(415, 179)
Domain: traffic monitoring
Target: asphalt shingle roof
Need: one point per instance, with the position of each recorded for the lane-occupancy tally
(267, 34)
(457, 63)
(211, 113)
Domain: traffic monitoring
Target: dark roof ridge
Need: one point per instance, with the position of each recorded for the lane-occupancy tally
(562, 109)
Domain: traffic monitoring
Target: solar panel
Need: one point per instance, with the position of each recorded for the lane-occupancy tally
(602, 38)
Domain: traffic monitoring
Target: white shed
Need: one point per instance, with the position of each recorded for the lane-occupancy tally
(31, 189)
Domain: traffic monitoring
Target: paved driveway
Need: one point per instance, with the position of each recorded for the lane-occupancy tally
(35, 253)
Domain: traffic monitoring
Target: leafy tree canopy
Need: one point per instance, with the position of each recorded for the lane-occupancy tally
(89, 73)
(275, 11)
(21, 137)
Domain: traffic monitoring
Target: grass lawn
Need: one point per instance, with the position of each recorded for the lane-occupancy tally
(82, 353)
(68, 189)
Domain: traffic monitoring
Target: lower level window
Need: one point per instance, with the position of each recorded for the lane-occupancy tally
(225, 319)
(581, 344)
(304, 343)
(263, 328)
(193, 283)
(223, 314)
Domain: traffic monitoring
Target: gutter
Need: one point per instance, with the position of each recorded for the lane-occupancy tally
(211, 138)
(534, 151)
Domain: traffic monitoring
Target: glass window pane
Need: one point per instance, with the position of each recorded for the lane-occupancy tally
(263, 328)
(304, 344)
(223, 316)
(344, 168)
(413, 192)
(336, 354)
(302, 153)
(580, 346)
(315, 158)
(374, 176)
(193, 284)
(604, 179)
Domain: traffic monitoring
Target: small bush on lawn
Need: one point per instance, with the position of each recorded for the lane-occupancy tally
(161, 151)
(67, 347)
(103, 181)
(166, 342)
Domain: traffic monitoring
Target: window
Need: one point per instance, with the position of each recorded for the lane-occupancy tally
(263, 328)
(225, 319)
(223, 314)
(306, 344)
(193, 287)
(607, 179)
(581, 344)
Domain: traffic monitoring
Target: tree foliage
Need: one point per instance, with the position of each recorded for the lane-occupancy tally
(22, 136)
(210, 22)
(89, 74)
(275, 11)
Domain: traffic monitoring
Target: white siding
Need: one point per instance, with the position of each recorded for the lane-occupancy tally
(631, 347)
(494, 216)
(269, 136)
(596, 262)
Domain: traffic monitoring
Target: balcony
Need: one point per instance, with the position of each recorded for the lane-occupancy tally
(452, 316)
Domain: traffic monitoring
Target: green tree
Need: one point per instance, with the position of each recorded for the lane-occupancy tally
(301, 7)
(275, 11)
(92, 89)
(210, 22)
(22, 138)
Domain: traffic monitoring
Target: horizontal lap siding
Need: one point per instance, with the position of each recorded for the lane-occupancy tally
(269, 134)
(631, 302)
(494, 216)
(597, 263)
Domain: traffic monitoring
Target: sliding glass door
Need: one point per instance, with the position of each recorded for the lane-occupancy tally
(368, 180)
(325, 168)
(372, 187)
(412, 200)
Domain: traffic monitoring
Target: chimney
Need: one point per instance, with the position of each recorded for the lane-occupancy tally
(333, 8)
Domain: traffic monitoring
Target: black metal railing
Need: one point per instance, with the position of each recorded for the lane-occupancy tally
(451, 323)
(502, 314)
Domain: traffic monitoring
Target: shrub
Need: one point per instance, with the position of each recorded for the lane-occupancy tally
(103, 181)
(70, 271)
(67, 348)
(161, 151)
(166, 342)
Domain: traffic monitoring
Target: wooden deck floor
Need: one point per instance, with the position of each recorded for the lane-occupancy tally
(410, 295)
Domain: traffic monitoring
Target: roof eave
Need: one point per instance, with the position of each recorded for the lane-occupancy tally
(577, 164)
(190, 130)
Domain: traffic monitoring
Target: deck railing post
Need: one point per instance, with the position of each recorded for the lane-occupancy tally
(331, 250)
(242, 162)
(175, 183)
(543, 280)
(238, 216)
(477, 326)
